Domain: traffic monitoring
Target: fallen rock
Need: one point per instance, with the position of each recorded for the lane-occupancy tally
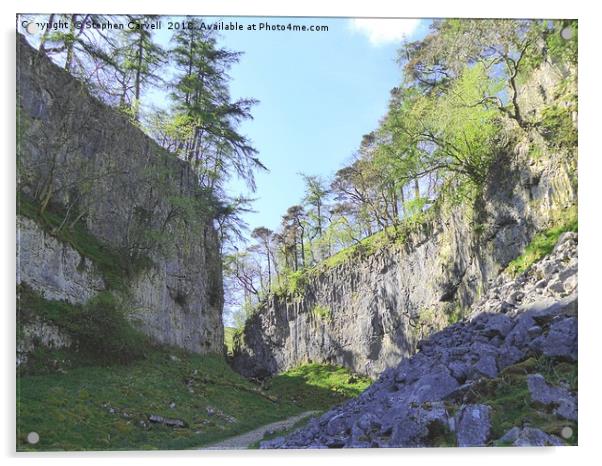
(529, 437)
(156, 419)
(561, 398)
(561, 340)
(473, 425)
(410, 405)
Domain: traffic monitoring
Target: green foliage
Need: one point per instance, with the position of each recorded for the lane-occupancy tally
(292, 284)
(536, 152)
(99, 328)
(543, 243)
(322, 312)
(107, 408)
(458, 110)
(465, 129)
(560, 49)
(456, 315)
(557, 127)
(415, 206)
(364, 248)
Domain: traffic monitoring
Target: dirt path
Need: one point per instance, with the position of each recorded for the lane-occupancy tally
(243, 441)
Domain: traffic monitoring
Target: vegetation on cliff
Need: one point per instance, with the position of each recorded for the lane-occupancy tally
(543, 243)
(466, 99)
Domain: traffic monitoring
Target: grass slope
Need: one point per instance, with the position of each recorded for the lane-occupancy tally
(108, 408)
(229, 338)
(543, 244)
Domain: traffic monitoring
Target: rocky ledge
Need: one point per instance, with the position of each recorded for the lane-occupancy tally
(506, 376)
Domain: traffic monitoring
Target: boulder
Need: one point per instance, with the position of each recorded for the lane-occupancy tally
(473, 425)
(529, 437)
(561, 398)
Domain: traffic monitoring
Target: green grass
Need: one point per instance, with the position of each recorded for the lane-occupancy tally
(543, 243)
(72, 410)
(229, 338)
(336, 384)
(510, 400)
(110, 263)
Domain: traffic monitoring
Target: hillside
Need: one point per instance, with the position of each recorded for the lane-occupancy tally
(169, 400)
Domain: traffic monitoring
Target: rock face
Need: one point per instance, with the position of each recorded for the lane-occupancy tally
(52, 267)
(439, 396)
(380, 306)
(132, 196)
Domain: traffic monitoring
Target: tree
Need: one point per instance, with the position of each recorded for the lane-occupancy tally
(501, 46)
(140, 59)
(202, 105)
(316, 197)
(264, 236)
(86, 51)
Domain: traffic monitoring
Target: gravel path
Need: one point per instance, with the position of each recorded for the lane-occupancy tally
(243, 441)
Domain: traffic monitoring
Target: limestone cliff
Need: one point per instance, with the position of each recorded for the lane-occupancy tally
(369, 311)
(100, 172)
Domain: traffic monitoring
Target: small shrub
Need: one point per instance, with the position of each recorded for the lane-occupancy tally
(322, 312)
(102, 330)
(99, 328)
(291, 284)
(557, 127)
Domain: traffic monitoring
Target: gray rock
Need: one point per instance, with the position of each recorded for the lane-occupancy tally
(53, 268)
(487, 365)
(561, 340)
(541, 283)
(529, 437)
(156, 419)
(533, 437)
(404, 408)
(473, 425)
(519, 335)
(499, 324)
(376, 300)
(434, 386)
(508, 356)
(510, 437)
(178, 300)
(545, 394)
(460, 370)
(338, 425)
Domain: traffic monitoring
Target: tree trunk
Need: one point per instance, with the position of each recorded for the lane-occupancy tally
(42, 47)
(71, 44)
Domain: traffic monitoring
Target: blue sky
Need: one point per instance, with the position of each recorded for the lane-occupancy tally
(319, 92)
